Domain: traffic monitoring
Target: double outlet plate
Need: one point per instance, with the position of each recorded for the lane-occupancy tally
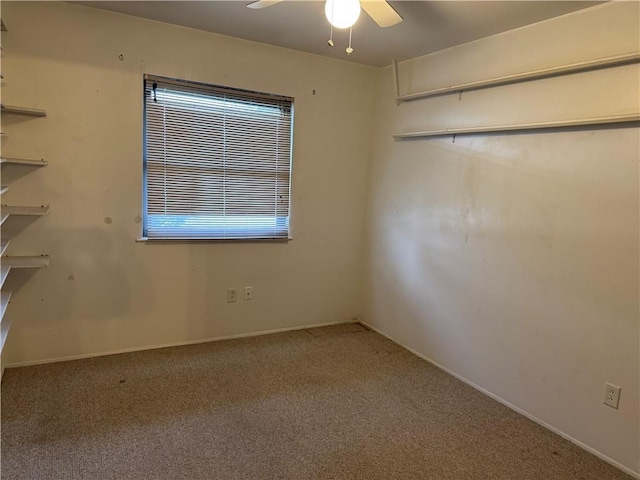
(611, 395)
(232, 294)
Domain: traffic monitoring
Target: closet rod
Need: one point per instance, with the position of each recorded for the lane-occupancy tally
(628, 118)
(613, 61)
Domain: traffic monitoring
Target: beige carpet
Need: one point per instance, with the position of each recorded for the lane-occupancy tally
(330, 403)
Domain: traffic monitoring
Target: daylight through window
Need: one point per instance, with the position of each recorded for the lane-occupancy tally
(217, 162)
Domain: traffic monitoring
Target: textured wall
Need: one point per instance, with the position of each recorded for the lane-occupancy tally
(512, 259)
(103, 291)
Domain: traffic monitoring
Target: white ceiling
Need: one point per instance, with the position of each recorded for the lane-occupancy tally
(428, 26)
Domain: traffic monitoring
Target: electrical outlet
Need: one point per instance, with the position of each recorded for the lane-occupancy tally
(232, 295)
(248, 293)
(611, 395)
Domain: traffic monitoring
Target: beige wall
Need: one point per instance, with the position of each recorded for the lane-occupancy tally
(103, 291)
(512, 260)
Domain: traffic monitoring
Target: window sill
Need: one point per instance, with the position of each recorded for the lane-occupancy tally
(213, 240)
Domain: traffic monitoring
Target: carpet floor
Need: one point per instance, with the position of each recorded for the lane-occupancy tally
(337, 402)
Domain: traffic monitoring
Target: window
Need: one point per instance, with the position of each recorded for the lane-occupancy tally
(217, 162)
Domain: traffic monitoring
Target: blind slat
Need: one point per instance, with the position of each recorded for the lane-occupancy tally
(217, 162)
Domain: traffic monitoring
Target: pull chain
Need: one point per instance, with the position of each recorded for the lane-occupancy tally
(349, 49)
(330, 42)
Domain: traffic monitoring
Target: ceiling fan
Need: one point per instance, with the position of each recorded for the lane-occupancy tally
(379, 10)
(344, 13)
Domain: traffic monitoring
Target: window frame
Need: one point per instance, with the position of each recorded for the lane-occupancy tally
(222, 90)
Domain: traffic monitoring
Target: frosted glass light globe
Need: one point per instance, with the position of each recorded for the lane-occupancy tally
(342, 13)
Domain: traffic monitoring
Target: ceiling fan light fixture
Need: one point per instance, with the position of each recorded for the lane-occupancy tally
(342, 13)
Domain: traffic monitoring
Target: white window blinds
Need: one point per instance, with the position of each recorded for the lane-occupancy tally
(217, 162)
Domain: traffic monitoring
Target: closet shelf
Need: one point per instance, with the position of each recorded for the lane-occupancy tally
(8, 263)
(4, 332)
(4, 273)
(32, 112)
(31, 211)
(578, 67)
(5, 297)
(629, 118)
(25, 261)
(23, 161)
(5, 324)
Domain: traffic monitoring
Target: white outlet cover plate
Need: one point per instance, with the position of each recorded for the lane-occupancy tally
(611, 395)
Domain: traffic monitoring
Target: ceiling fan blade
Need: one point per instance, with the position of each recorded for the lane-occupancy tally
(262, 4)
(381, 12)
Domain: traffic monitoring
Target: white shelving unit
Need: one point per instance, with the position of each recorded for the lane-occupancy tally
(4, 303)
(5, 323)
(9, 263)
(25, 211)
(31, 112)
(606, 62)
(23, 161)
(4, 273)
(595, 64)
(635, 117)
(25, 261)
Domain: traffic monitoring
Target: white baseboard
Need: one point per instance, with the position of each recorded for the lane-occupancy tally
(564, 435)
(175, 344)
